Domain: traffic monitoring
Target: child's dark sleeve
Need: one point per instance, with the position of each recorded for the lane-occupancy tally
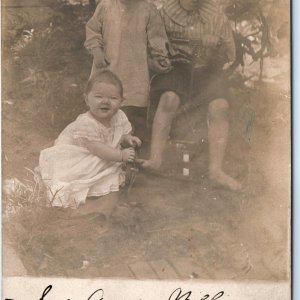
(156, 33)
(94, 38)
(227, 38)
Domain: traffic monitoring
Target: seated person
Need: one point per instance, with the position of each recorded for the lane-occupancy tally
(200, 44)
(84, 167)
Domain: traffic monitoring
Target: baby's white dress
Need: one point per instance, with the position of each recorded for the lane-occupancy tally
(71, 172)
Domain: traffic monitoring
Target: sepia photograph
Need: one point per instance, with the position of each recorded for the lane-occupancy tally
(147, 140)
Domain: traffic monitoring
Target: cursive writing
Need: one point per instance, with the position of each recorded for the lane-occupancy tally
(178, 295)
(97, 295)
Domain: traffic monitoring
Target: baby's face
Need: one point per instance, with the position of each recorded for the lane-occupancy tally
(104, 100)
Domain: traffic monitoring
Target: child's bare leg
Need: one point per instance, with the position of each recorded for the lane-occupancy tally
(217, 139)
(103, 205)
(167, 107)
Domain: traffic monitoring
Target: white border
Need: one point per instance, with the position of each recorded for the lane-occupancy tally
(296, 144)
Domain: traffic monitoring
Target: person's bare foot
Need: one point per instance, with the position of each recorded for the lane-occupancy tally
(221, 178)
(150, 165)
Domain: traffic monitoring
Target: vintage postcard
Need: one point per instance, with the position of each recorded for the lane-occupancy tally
(146, 149)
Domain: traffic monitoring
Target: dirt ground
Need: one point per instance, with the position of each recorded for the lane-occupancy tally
(188, 227)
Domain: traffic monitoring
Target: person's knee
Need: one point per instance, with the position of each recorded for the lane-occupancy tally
(218, 108)
(169, 102)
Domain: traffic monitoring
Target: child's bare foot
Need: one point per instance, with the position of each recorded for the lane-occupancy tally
(151, 165)
(225, 180)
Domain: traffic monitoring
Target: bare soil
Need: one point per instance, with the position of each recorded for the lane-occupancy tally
(229, 234)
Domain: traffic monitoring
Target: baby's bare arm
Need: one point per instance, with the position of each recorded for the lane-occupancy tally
(110, 154)
(103, 151)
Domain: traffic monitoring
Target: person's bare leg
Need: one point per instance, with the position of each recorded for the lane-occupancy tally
(167, 107)
(218, 126)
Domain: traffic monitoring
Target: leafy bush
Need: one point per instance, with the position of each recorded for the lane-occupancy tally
(49, 66)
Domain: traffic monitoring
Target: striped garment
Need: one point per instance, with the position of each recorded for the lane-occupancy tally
(185, 31)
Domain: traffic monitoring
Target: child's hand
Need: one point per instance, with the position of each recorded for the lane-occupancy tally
(159, 64)
(128, 155)
(133, 141)
(227, 66)
(99, 59)
(164, 62)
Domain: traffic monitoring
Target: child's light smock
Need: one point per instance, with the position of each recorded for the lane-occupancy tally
(71, 172)
(127, 33)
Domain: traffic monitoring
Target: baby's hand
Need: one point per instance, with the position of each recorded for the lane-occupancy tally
(133, 141)
(128, 155)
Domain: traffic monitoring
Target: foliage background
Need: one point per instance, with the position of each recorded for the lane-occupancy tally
(46, 66)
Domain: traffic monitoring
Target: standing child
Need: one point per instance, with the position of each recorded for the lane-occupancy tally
(87, 156)
(122, 35)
